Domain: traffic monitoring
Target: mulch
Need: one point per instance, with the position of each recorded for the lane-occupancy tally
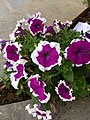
(8, 95)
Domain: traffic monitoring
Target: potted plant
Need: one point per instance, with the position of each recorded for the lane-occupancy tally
(50, 63)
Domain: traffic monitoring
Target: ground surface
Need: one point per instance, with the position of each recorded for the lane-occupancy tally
(13, 10)
(77, 110)
(8, 96)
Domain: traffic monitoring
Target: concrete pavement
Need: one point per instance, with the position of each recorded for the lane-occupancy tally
(76, 110)
(13, 10)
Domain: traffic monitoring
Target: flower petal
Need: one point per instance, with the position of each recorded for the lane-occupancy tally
(3, 44)
(36, 24)
(36, 112)
(11, 52)
(18, 74)
(50, 29)
(38, 88)
(78, 52)
(62, 25)
(64, 91)
(19, 30)
(46, 55)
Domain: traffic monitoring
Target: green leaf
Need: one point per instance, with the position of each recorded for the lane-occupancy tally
(34, 100)
(47, 106)
(88, 66)
(27, 91)
(59, 68)
(49, 74)
(83, 93)
(69, 76)
(19, 91)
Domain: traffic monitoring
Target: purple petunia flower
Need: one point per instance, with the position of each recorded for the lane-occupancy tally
(36, 15)
(46, 55)
(50, 29)
(64, 91)
(2, 44)
(87, 34)
(62, 25)
(36, 24)
(8, 65)
(78, 52)
(36, 112)
(38, 89)
(11, 52)
(18, 74)
(19, 30)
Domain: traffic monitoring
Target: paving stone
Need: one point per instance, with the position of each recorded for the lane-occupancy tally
(15, 111)
(76, 110)
(60, 9)
(3, 9)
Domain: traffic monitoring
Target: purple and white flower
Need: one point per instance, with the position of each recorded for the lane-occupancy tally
(46, 55)
(8, 66)
(64, 91)
(36, 24)
(2, 44)
(87, 34)
(62, 25)
(50, 29)
(78, 52)
(36, 112)
(11, 52)
(38, 88)
(19, 73)
(19, 30)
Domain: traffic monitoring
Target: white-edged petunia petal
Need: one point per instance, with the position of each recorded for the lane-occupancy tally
(64, 91)
(38, 88)
(18, 74)
(36, 112)
(78, 52)
(11, 52)
(46, 55)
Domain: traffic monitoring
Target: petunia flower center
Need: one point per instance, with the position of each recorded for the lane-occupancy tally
(37, 25)
(14, 52)
(46, 54)
(79, 50)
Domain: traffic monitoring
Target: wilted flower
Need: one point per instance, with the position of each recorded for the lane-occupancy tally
(38, 89)
(64, 91)
(46, 55)
(78, 52)
(36, 112)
